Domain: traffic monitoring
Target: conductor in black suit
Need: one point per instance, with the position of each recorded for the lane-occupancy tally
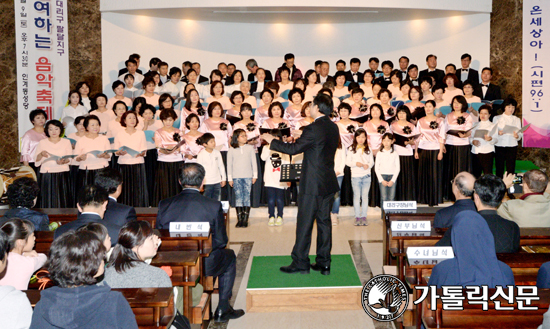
(318, 185)
(116, 213)
(191, 206)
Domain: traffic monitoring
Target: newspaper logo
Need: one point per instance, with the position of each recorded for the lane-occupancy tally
(384, 298)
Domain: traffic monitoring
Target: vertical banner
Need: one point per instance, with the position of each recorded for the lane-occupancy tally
(536, 60)
(42, 45)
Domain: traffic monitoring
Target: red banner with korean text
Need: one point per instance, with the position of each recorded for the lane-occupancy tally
(42, 46)
(536, 60)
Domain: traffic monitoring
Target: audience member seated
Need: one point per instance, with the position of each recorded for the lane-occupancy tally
(76, 301)
(475, 262)
(543, 277)
(101, 232)
(91, 204)
(127, 267)
(488, 193)
(15, 308)
(22, 260)
(191, 206)
(533, 208)
(463, 189)
(116, 213)
(22, 196)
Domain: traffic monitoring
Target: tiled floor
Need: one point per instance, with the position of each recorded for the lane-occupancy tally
(364, 243)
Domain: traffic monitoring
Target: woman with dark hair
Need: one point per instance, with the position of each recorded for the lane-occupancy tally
(312, 87)
(131, 161)
(483, 148)
(506, 148)
(167, 102)
(237, 78)
(22, 195)
(415, 105)
(285, 83)
(150, 125)
(250, 99)
(174, 86)
(451, 81)
(385, 97)
(429, 152)
(192, 147)
(458, 157)
(359, 159)
(404, 89)
(368, 76)
(305, 117)
(217, 95)
(375, 127)
(406, 181)
(149, 86)
(56, 187)
(340, 89)
(101, 111)
(76, 260)
(395, 86)
(84, 89)
(100, 231)
(193, 105)
(262, 112)
(138, 103)
(234, 113)
(118, 89)
(115, 126)
(91, 152)
(426, 84)
(169, 158)
(347, 128)
(275, 113)
(23, 261)
(32, 137)
(293, 112)
(73, 110)
(127, 267)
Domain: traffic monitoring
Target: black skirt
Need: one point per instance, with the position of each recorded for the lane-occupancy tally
(113, 163)
(150, 173)
(85, 177)
(56, 190)
(166, 181)
(457, 159)
(74, 180)
(346, 191)
(430, 178)
(406, 180)
(374, 192)
(134, 188)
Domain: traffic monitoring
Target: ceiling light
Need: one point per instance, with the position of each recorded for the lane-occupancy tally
(293, 12)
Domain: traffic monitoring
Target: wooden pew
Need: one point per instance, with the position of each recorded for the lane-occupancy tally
(474, 317)
(153, 307)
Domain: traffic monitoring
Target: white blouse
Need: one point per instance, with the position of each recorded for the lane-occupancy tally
(507, 140)
(485, 146)
(72, 112)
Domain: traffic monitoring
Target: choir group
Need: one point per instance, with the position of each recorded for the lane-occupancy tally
(417, 130)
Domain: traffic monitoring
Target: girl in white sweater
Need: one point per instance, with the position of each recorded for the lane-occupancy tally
(360, 160)
(387, 168)
(339, 164)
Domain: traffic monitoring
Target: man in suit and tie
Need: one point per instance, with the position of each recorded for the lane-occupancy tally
(226, 79)
(323, 76)
(374, 62)
(463, 190)
(91, 204)
(197, 67)
(432, 70)
(413, 75)
(116, 213)
(486, 90)
(136, 58)
(384, 81)
(403, 66)
(191, 206)
(252, 67)
(353, 75)
(466, 72)
(341, 65)
(318, 184)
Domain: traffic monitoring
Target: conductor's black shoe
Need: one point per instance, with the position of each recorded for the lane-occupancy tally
(291, 270)
(229, 314)
(325, 270)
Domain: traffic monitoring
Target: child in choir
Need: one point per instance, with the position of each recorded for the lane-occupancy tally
(101, 111)
(274, 188)
(147, 113)
(368, 76)
(242, 173)
(56, 189)
(132, 166)
(118, 88)
(387, 168)
(340, 90)
(293, 112)
(170, 158)
(359, 159)
(406, 181)
(339, 165)
(193, 105)
(32, 137)
(458, 157)
(385, 97)
(483, 148)
(23, 261)
(192, 147)
(451, 81)
(312, 87)
(84, 90)
(375, 91)
(429, 152)
(115, 126)
(262, 112)
(376, 127)
(211, 159)
(507, 146)
(405, 88)
(90, 162)
(217, 95)
(74, 109)
(174, 86)
(395, 86)
(149, 94)
(233, 115)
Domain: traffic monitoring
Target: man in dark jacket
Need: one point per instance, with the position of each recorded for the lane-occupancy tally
(116, 213)
(463, 190)
(295, 72)
(318, 184)
(191, 206)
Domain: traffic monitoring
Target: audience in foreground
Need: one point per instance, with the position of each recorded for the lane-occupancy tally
(463, 189)
(191, 206)
(22, 195)
(76, 260)
(116, 213)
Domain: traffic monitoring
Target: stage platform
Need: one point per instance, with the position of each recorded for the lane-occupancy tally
(270, 290)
